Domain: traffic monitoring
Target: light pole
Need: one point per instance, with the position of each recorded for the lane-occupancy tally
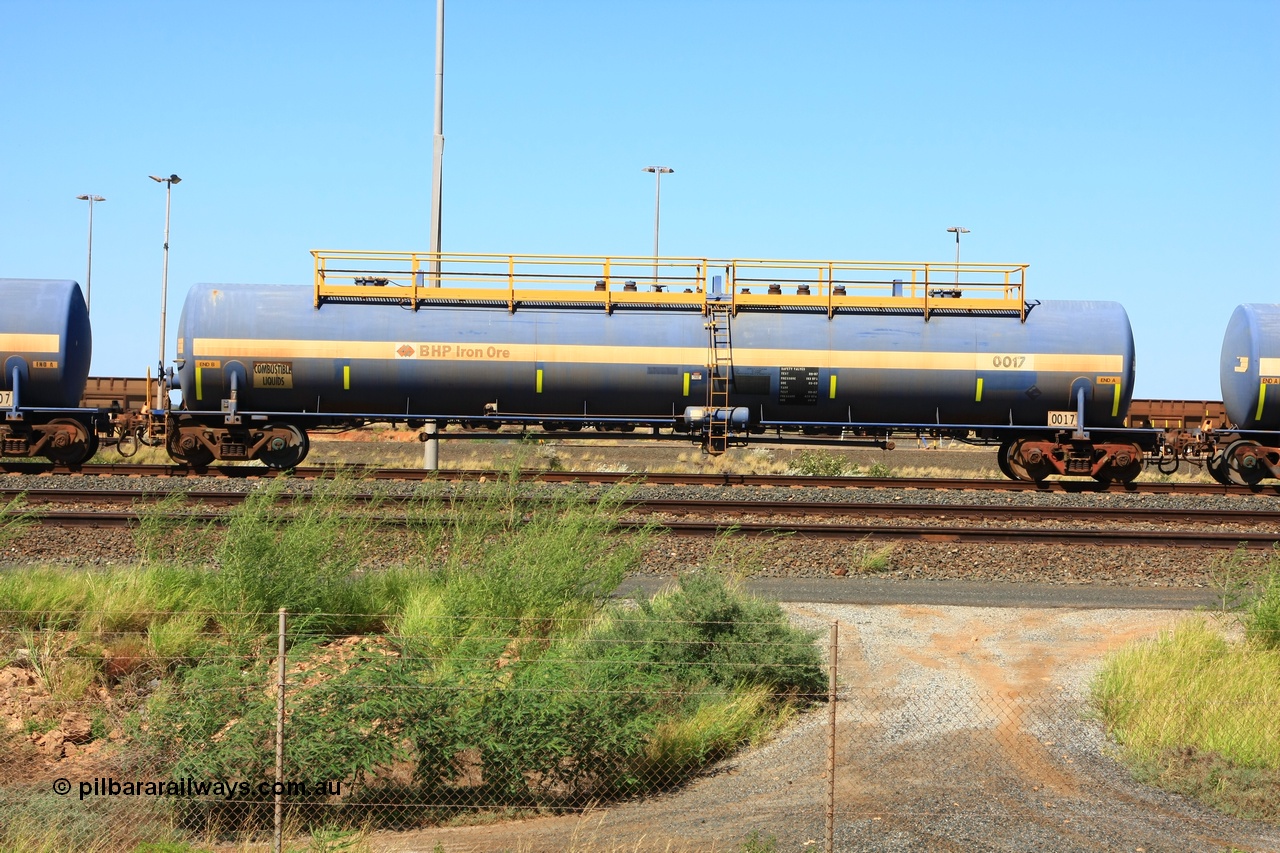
(957, 230)
(88, 276)
(658, 172)
(437, 149)
(164, 281)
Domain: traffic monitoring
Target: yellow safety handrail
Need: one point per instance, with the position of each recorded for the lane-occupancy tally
(449, 276)
(424, 277)
(879, 284)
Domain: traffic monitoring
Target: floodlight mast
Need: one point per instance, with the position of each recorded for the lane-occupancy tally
(88, 276)
(168, 182)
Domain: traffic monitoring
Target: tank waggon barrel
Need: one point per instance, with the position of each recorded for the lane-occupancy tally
(45, 348)
(810, 346)
(649, 362)
(1250, 374)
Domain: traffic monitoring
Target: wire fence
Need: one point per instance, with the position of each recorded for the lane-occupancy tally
(480, 736)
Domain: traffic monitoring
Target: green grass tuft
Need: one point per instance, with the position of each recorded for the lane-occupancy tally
(1196, 713)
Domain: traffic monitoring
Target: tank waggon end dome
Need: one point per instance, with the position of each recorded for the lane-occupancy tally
(45, 349)
(1250, 374)
(712, 350)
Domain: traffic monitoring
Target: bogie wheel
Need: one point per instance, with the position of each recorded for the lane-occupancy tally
(1237, 474)
(74, 451)
(1002, 458)
(187, 449)
(282, 453)
(1217, 468)
(1031, 473)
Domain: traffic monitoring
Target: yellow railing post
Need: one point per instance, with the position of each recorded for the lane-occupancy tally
(413, 272)
(926, 293)
(608, 286)
(319, 276)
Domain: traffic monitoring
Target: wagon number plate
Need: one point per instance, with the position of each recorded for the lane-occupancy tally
(1063, 419)
(6, 399)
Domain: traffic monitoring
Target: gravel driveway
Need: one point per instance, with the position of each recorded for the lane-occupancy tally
(958, 729)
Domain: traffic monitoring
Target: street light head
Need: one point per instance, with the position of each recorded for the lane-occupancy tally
(83, 197)
(956, 229)
(174, 179)
(157, 179)
(171, 180)
(662, 170)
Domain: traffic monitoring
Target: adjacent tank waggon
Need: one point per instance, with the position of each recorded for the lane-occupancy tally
(1250, 375)
(717, 350)
(45, 349)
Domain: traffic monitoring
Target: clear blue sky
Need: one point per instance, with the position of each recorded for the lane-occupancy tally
(1125, 150)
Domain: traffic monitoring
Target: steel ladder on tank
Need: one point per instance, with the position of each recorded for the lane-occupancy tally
(719, 374)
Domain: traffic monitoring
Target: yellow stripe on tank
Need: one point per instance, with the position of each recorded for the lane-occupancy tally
(1115, 401)
(539, 381)
(22, 342)
(681, 356)
(832, 393)
(346, 377)
(686, 384)
(1262, 399)
(978, 397)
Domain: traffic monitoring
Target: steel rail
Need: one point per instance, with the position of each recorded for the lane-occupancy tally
(928, 533)
(1070, 486)
(718, 508)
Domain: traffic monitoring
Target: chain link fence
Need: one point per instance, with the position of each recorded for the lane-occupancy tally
(609, 736)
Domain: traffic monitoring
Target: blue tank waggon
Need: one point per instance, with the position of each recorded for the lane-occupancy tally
(717, 350)
(45, 349)
(1250, 374)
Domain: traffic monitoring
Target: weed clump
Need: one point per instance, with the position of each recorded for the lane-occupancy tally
(1194, 711)
(486, 669)
(812, 463)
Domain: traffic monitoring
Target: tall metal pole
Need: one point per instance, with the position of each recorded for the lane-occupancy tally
(88, 276)
(431, 444)
(658, 172)
(437, 148)
(164, 283)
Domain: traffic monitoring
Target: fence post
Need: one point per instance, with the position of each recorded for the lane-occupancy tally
(831, 738)
(277, 839)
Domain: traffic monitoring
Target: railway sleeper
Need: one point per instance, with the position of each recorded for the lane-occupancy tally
(1033, 459)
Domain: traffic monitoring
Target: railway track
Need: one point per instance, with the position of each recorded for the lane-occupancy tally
(1070, 486)
(1089, 525)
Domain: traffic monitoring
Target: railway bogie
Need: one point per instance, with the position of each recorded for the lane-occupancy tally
(1035, 458)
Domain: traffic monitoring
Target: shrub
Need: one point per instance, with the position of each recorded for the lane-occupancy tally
(710, 633)
(304, 560)
(504, 678)
(1262, 614)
